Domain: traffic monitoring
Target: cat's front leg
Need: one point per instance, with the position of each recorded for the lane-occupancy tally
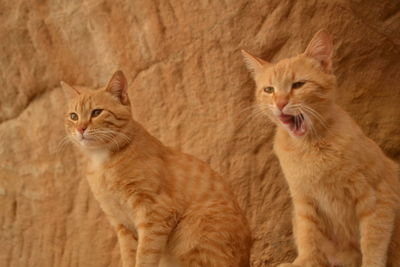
(152, 242)
(128, 244)
(153, 231)
(308, 234)
(376, 227)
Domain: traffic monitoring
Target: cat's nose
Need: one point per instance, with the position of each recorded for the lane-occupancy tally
(281, 104)
(81, 129)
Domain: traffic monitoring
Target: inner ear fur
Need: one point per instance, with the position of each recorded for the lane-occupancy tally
(118, 86)
(254, 64)
(69, 91)
(321, 49)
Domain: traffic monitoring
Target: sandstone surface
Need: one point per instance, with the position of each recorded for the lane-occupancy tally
(188, 87)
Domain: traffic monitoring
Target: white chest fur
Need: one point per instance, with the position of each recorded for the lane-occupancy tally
(98, 158)
(101, 183)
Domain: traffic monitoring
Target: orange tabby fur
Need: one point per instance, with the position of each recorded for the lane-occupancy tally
(345, 191)
(168, 208)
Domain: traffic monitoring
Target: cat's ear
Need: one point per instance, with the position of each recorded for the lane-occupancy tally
(253, 63)
(321, 48)
(69, 91)
(118, 86)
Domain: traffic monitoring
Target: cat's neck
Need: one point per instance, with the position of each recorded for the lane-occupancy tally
(98, 156)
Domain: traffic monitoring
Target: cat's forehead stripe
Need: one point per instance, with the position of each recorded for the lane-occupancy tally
(280, 76)
(83, 104)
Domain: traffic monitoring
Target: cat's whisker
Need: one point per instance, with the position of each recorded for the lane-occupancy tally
(115, 143)
(246, 109)
(257, 111)
(311, 112)
(316, 115)
(112, 132)
(62, 144)
(121, 135)
(104, 137)
(310, 124)
(111, 135)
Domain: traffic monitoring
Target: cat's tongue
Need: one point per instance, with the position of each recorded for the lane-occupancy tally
(297, 127)
(298, 130)
(286, 119)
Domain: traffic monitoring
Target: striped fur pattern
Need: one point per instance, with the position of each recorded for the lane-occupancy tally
(345, 191)
(167, 208)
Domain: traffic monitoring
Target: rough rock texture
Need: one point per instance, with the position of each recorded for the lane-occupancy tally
(189, 88)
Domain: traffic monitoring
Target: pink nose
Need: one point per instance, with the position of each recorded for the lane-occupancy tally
(81, 129)
(281, 104)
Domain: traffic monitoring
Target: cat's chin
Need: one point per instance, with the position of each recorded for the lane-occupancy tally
(294, 124)
(88, 143)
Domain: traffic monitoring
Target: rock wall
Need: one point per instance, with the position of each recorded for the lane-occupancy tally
(188, 87)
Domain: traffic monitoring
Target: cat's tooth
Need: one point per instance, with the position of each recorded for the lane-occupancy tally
(302, 128)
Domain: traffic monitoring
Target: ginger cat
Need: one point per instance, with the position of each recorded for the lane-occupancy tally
(345, 191)
(168, 208)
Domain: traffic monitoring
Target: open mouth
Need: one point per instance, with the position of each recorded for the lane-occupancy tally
(295, 123)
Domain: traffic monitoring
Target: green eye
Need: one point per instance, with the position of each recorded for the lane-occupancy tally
(73, 116)
(269, 90)
(297, 85)
(96, 112)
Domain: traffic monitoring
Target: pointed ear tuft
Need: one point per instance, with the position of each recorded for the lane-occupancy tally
(321, 48)
(253, 63)
(69, 91)
(118, 86)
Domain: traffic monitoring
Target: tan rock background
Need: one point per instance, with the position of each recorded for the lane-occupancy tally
(189, 88)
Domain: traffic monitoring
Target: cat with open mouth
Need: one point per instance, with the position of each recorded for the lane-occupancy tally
(345, 191)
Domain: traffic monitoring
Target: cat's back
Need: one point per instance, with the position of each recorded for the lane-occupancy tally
(211, 211)
(195, 179)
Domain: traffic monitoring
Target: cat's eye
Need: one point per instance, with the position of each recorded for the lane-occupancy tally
(96, 112)
(269, 89)
(73, 116)
(297, 85)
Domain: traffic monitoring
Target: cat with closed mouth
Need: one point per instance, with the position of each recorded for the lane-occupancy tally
(168, 208)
